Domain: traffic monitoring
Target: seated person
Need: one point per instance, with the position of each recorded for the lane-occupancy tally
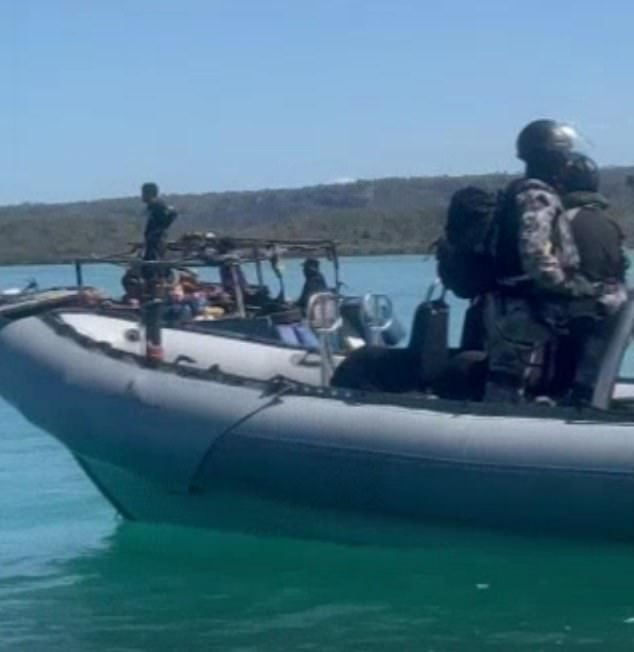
(314, 282)
(194, 294)
(176, 309)
(133, 286)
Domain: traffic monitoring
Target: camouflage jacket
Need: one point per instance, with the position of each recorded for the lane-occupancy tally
(546, 246)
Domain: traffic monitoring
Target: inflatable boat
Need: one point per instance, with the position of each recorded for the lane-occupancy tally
(249, 436)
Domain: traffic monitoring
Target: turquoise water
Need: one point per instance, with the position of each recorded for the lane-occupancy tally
(74, 577)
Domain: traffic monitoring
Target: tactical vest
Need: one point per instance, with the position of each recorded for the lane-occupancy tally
(599, 241)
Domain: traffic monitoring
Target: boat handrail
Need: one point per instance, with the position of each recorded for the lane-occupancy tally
(324, 318)
(377, 314)
(207, 250)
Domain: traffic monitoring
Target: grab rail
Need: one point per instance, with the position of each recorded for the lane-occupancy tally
(377, 314)
(324, 318)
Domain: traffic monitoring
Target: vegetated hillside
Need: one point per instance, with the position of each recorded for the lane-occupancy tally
(393, 215)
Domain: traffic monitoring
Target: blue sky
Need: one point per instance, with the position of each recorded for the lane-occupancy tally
(210, 95)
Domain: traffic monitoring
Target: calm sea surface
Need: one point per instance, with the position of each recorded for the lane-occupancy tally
(75, 577)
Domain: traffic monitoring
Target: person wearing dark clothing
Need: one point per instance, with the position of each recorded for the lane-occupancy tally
(602, 260)
(132, 283)
(314, 282)
(538, 265)
(598, 237)
(179, 307)
(160, 218)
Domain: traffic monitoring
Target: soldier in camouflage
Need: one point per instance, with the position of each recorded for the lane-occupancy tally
(537, 266)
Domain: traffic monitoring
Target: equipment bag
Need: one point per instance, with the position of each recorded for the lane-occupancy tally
(429, 338)
(465, 255)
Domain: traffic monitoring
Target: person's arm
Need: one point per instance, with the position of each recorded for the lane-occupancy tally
(539, 210)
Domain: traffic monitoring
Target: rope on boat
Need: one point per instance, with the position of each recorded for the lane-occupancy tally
(281, 386)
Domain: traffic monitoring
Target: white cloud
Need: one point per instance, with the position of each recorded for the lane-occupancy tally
(341, 181)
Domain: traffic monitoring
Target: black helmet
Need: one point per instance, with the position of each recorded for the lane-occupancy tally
(149, 189)
(580, 173)
(311, 265)
(542, 136)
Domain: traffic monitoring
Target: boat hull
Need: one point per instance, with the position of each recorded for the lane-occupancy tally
(164, 445)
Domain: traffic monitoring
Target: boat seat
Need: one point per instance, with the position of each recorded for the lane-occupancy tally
(429, 339)
(375, 368)
(426, 365)
(298, 334)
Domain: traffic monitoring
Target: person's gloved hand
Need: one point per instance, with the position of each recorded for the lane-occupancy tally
(611, 300)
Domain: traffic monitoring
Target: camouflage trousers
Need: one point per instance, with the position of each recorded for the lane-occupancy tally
(523, 339)
(515, 345)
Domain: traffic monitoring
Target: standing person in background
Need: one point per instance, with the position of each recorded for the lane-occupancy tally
(160, 218)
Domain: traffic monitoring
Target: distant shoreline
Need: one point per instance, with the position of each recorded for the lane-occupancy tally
(380, 217)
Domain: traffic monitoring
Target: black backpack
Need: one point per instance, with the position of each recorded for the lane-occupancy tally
(465, 255)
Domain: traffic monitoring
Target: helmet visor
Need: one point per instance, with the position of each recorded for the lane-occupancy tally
(579, 142)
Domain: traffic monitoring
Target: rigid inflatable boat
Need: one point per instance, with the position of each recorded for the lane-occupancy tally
(248, 436)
